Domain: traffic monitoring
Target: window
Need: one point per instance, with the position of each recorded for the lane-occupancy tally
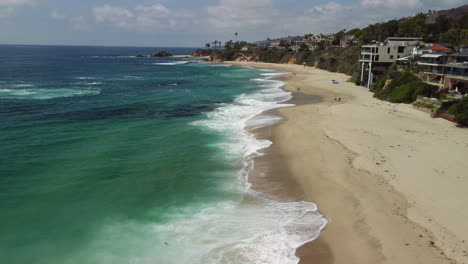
(401, 49)
(377, 50)
(388, 50)
(391, 57)
(377, 58)
(398, 56)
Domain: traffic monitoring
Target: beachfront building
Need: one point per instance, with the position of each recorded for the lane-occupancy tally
(378, 57)
(447, 71)
(456, 72)
(432, 60)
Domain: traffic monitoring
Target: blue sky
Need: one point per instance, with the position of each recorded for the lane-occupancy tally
(190, 23)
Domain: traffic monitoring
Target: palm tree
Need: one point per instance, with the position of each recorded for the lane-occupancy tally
(208, 45)
(237, 34)
(215, 43)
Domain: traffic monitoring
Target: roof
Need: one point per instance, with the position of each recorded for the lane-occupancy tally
(438, 47)
(432, 55)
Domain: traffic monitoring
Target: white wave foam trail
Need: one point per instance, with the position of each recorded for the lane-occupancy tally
(172, 63)
(43, 94)
(221, 65)
(87, 83)
(86, 78)
(274, 73)
(264, 231)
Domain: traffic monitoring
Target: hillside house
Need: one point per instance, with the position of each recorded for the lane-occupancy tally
(378, 57)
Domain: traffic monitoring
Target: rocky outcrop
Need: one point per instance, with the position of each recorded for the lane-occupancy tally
(161, 54)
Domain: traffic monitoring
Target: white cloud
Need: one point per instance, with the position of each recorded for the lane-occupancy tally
(116, 16)
(258, 19)
(79, 23)
(328, 9)
(7, 7)
(16, 2)
(238, 14)
(57, 15)
(6, 12)
(392, 3)
(142, 17)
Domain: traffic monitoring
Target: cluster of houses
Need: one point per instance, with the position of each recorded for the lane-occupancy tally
(439, 65)
(312, 42)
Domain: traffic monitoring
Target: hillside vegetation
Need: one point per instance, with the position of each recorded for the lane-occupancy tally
(449, 27)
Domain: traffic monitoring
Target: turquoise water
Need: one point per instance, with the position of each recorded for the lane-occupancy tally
(111, 158)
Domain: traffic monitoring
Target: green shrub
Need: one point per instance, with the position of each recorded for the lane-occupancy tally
(424, 89)
(356, 79)
(404, 87)
(403, 93)
(462, 118)
(460, 110)
(379, 84)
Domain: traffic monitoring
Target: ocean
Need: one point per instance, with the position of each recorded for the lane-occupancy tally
(107, 157)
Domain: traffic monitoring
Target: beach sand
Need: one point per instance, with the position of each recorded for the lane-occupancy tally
(392, 180)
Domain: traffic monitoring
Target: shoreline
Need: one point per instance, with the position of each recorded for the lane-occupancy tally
(375, 218)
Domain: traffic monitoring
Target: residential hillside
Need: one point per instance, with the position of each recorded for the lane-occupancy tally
(340, 51)
(402, 61)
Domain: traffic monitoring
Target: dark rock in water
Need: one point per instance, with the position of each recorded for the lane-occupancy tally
(161, 54)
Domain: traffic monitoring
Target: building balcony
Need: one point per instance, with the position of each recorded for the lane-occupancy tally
(457, 76)
(427, 63)
(436, 72)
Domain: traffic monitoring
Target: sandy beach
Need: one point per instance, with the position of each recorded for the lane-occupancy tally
(392, 180)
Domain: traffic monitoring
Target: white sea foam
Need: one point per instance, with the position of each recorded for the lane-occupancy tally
(22, 85)
(87, 83)
(172, 63)
(43, 94)
(86, 78)
(116, 57)
(132, 77)
(249, 229)
(265, 231)
(221, 65)
(275, 73)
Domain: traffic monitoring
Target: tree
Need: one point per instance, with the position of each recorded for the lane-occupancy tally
(284, 44)
(338, 37)
(215, 43)
(236, 34)
(303, 47)
(229, 45)
(208, 45)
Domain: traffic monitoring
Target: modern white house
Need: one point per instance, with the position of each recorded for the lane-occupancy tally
(378, 57)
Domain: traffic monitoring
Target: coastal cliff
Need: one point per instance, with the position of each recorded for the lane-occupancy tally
(343, 60)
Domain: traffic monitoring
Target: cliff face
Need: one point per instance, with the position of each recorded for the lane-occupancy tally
(343, 60)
